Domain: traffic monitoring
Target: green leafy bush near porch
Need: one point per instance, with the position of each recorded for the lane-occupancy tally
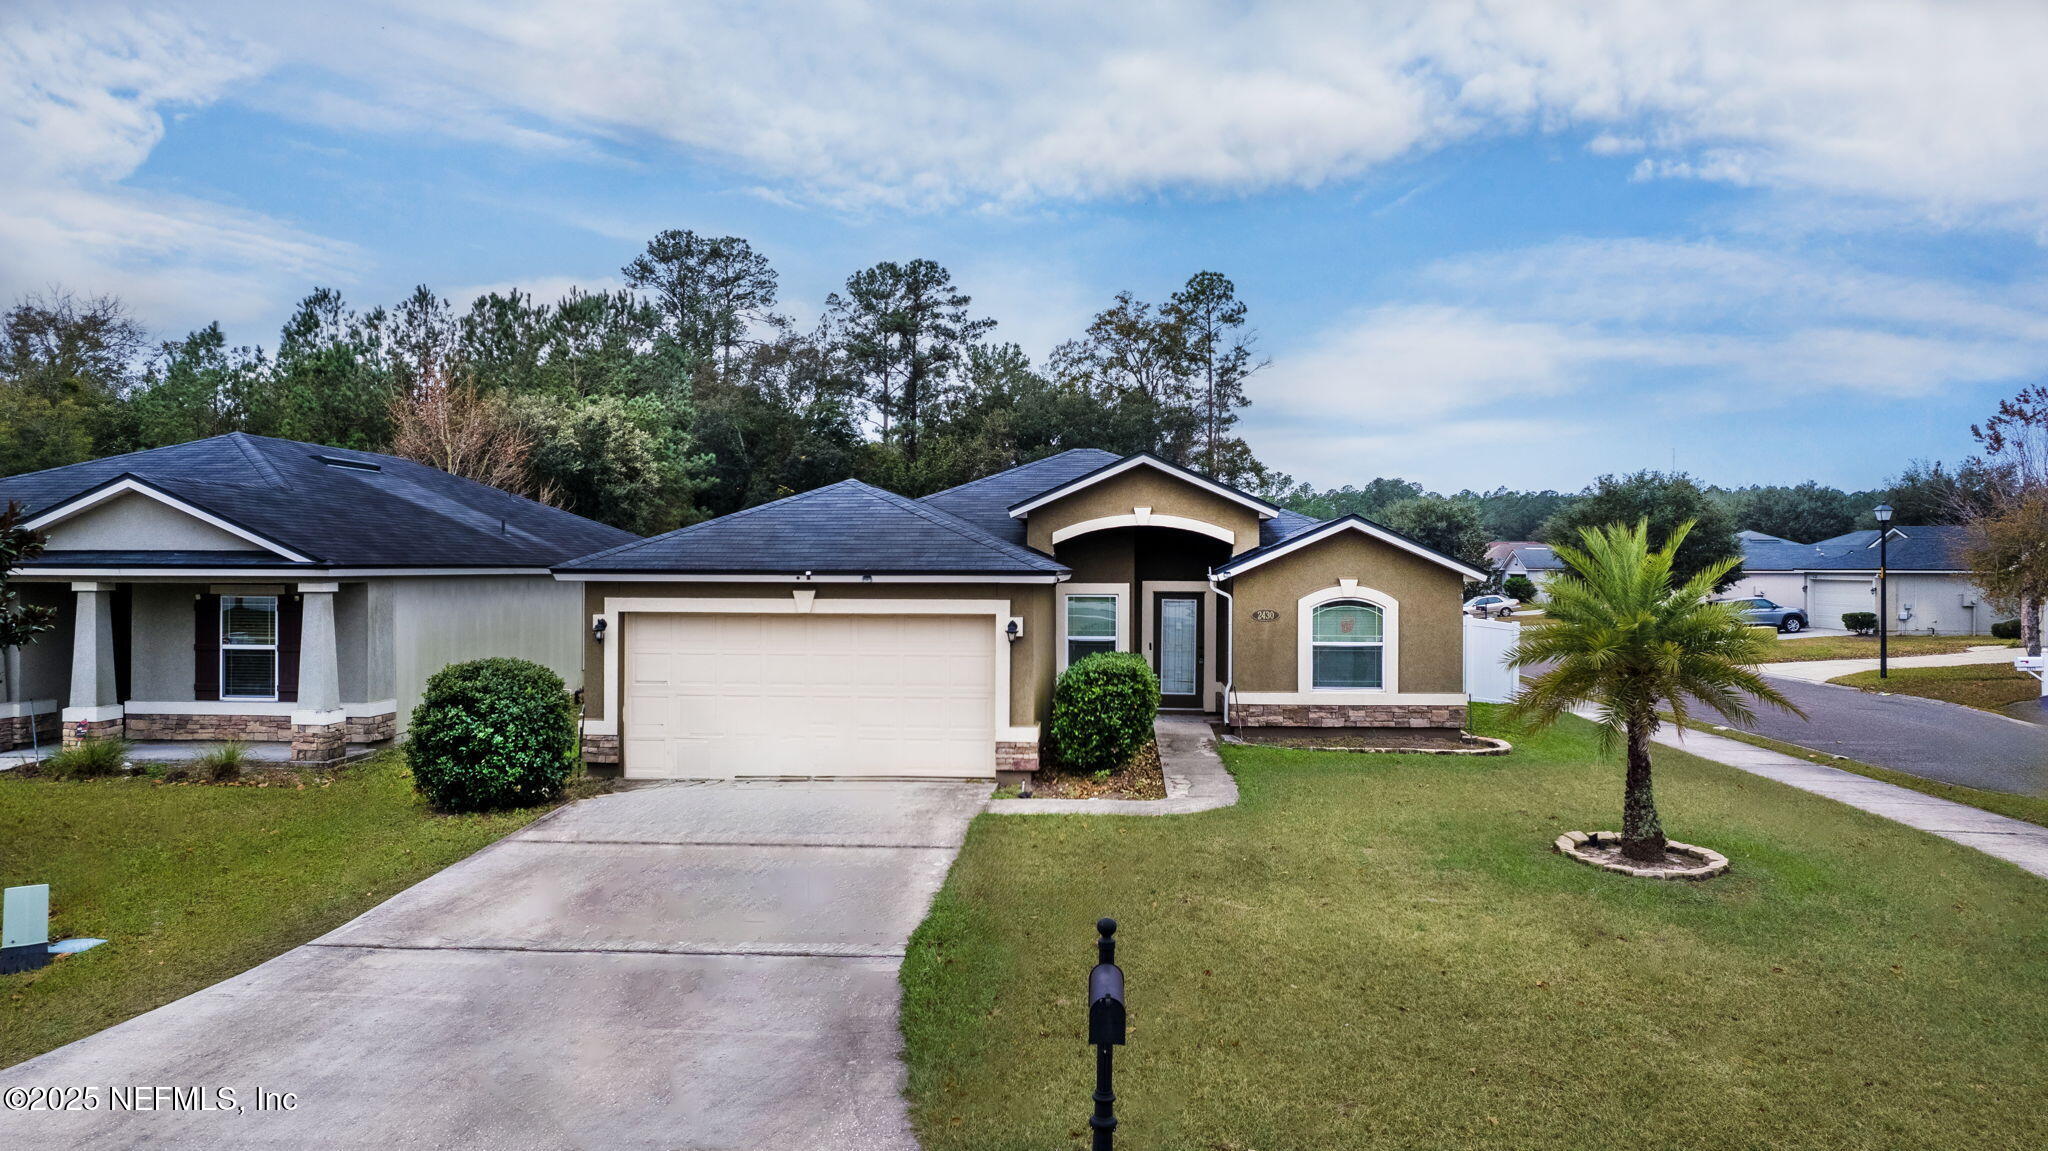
(2006, 629)
(1860, 622)
(490, 734)
(1102, 710)
(94, 758)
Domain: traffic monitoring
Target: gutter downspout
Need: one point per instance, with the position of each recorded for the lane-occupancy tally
(1230, 658)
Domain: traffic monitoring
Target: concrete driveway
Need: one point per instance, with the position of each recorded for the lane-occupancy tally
(685, 966)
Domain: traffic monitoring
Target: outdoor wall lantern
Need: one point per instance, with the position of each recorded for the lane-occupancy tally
(1015, 630)
(597, 629)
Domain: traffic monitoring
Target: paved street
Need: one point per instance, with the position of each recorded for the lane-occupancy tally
(1925, 737)
(687, 966)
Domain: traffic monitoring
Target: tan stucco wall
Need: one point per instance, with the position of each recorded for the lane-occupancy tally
(1143, 488)
(138, 523)
(1431, 640)
(1031, 665)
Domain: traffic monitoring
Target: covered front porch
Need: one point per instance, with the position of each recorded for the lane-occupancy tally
(170, 663)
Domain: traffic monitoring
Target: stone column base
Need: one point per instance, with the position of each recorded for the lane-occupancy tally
(372, 728)
(315, 744)
(26, 730)
(600, 749)
(1016, 762)
(79, 731)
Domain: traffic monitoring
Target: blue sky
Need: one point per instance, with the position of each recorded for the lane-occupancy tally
(1483, 244)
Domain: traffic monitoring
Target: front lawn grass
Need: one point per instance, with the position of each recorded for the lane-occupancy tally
(1384, 951)
(191, 884)
(1989, 686)
(1865, 646)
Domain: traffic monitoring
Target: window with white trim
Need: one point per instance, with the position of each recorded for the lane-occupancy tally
(248, 647)
(1349, 646)
(1091, 625)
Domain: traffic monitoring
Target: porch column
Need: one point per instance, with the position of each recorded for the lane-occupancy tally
(95, 710)
(319, 729)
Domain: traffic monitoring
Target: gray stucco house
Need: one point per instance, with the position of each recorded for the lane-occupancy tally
(268, 590)
(1931, 588)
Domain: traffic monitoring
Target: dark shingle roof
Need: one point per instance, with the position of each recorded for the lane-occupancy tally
(1285, 526)
(384, 511)
(1238, 563)
(1537, 558)
(849, 528)
(986, 502)
(1927, 548)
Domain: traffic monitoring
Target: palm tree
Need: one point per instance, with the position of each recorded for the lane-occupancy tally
(1626, 642)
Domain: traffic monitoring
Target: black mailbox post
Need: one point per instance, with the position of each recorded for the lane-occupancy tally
(1105, 1030)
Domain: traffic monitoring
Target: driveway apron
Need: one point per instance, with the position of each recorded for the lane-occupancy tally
(683, 966)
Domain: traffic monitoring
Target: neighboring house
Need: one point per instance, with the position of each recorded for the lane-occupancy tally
(1536, 561)
(851, 631)
(267, 590)
(1931, 592)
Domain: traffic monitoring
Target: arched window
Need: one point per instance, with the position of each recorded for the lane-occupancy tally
(1349, 646)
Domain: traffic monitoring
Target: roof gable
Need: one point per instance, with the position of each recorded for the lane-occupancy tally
(332, 506)
(847, 528)
(1024, 507)
(985, 502)
(1346, 523)
(146, 513)
(1930, 547)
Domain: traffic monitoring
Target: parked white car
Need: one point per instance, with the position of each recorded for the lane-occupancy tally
(1491, 606)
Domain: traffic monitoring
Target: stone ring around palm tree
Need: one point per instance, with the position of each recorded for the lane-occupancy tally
(1602, 849)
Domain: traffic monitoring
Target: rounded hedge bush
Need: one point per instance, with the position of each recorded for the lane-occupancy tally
(492, 733)
(1102, 710)
(1860, 622)
(2006, 629)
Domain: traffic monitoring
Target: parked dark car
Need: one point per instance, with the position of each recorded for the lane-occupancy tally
(1763, 612)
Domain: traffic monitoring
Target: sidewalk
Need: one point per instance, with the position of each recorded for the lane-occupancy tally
(1196, 779)
(1823, 670)
(2012, 840)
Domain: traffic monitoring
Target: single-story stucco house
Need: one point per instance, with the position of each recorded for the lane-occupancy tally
(1525, 558)
(242, 587)
(1931, 591)
(853, 631)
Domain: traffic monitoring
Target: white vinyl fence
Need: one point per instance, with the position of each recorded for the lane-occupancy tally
(1487, 644)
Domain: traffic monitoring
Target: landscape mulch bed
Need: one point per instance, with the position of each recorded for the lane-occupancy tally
(1141, 777)
(1363, 738)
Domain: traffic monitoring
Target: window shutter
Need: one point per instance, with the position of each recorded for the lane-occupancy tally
(206, 647)
(291, 615)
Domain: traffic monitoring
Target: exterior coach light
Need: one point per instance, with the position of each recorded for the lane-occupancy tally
(1015, 629)
(597, 629)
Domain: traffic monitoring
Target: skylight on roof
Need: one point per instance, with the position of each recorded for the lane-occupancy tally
(352, 465)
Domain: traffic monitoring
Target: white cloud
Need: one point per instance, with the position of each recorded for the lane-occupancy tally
(83, 96)
(1940, 105)
(1621, 333)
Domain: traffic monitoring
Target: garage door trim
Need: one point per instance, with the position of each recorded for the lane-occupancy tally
(802, 600)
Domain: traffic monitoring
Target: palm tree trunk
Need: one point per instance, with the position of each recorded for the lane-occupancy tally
(1642, 834)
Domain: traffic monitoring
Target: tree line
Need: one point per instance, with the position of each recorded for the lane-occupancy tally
(687, 394)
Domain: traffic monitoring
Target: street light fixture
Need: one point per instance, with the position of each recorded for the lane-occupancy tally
(1883, 512)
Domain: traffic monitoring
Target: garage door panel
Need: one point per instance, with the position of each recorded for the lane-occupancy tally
(712, 695)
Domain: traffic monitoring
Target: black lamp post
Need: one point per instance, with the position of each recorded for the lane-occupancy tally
(1883, 512)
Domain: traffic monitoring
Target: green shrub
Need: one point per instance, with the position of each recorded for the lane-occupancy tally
(492, 733)
(224, 761)
(1860, 622)
(2006, 629)
(93, 758)
(1102, 710)
(1520, 587)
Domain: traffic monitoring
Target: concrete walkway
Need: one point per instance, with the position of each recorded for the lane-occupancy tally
(1823, 670)
(2012, 840)
(686, 966)
(1196, 779)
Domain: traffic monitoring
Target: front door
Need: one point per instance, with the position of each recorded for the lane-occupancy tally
(1177, 646)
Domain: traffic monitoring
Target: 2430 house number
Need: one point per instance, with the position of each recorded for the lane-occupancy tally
(1265, 615)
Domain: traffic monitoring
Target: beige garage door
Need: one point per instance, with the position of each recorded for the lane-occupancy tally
(1827, 600)
(714, 695)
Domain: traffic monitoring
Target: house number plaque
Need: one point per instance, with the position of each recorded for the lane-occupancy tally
(1265, 615)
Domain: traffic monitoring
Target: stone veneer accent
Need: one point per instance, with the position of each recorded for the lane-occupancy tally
(318, 743)
(600, 749)
(1016, 756)
(15, 730)
(255, 728)
(1347, 715)
(93, 729)
(371, 728)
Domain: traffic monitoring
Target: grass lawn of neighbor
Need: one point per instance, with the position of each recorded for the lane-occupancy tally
(1990, 686)
(1384, 951)
(192, 883)
(1865, 646)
